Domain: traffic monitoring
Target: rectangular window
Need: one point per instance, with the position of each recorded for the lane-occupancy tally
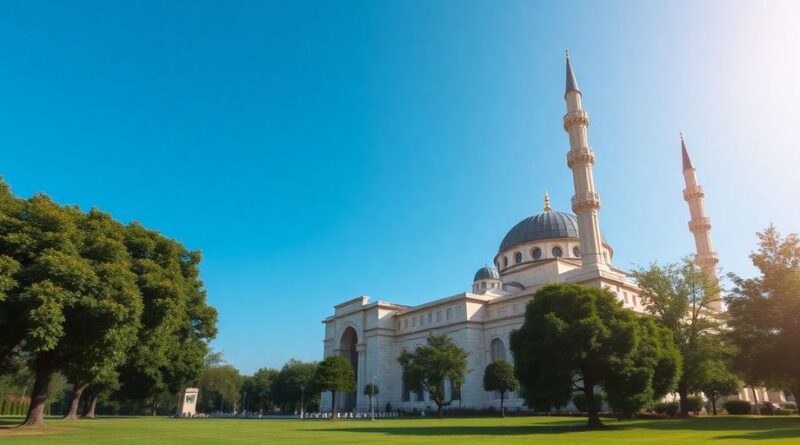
(405, 391)
(406, 323)
(625, 294)
(421, 320)
(449, 313)
(420, 396)
(413, 322)
(430, 317)
(438, 316)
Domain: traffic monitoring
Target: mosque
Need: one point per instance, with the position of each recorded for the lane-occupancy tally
(549, 247)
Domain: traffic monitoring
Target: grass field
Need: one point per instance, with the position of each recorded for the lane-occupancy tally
(516, 430)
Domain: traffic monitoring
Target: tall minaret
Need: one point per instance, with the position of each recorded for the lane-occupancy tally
(580, 158)
(700, 224)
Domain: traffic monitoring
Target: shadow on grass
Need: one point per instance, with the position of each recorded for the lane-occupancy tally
(466, 430)
(753, 428)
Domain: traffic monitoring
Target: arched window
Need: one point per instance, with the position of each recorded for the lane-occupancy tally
(498, 350)
(505, 261)
(576, 252)
(518, 257)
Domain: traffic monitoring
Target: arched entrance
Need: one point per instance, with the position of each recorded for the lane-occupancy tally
(347, 349)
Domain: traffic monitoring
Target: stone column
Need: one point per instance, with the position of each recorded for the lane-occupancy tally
(361, 375)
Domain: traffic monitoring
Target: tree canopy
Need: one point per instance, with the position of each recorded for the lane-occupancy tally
(499, 376)
(576, 337)
(679, 297)
(764, 314)
(334, 374)
(76, 298)
(427, 368)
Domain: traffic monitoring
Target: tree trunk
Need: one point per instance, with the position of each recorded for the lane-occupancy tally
(439, 410)
(755, 400)
(714, 404)
(502, 410)
(89, 413)
(591, 406)
(153, 408)
(333, 405)
(683, 392)
(44, 373)
(77, 391)
(370, 403)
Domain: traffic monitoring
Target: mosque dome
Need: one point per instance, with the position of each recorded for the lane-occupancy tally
(545, 225)
(487, 273)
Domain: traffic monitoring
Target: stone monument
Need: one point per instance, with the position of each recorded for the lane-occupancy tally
(188, 403)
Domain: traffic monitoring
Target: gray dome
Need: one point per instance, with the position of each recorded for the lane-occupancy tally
(487, 273)
(546, 225)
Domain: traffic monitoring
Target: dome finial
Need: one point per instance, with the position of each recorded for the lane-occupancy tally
(547, 207)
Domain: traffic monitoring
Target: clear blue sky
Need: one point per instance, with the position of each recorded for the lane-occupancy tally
(319, 151)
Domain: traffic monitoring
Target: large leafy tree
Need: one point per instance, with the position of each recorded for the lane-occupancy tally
(427, 368)
(176, 323)
(679, 297)
(73, 305)
(577, 337)
(499, 376)
(764, 314)
(293, 384)
(334, 374)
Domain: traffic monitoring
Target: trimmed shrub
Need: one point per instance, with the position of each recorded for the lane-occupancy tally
(579, 400)
(788, 406)
(738, 407)
(695, 403)
(669, 408)
(767, 408)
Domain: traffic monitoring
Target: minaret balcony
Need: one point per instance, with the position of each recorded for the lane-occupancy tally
(577, 117)
(691, 193)
(587, 200)
(707, 259)
(702, 224)
(580, 156)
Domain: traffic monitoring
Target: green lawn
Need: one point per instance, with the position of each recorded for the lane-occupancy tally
(516, 430)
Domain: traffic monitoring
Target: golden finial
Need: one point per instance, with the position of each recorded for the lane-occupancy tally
(547, 207)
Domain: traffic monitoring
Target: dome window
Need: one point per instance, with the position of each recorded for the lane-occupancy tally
(505, 261)
(536, 253)
(518, 257)
(576, 252)
(557, 252)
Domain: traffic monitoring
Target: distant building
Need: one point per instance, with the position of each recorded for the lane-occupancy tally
(549, 247)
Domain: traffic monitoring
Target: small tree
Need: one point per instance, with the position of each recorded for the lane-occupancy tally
(371, 390)
(427, 368)
(499, 376)
(718, 382)
(335, 374)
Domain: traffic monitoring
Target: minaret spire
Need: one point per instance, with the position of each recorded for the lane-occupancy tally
(572, 83)
(687, 161)
(700, 224)
(580, 158)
